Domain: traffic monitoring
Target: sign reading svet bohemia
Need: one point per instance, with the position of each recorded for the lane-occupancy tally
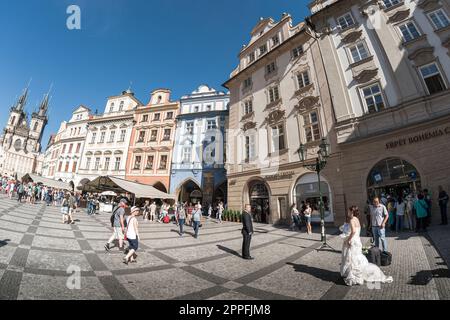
(424, 136)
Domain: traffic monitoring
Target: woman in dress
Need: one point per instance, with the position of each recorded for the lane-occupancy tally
(307, 214)
(355, 268)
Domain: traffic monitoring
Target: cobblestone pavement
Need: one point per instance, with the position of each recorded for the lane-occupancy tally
(36, 250)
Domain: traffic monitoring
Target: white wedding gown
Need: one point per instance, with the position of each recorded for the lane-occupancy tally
(355, 268)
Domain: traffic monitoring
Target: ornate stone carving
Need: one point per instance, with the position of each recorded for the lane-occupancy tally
(399, 16)
(307, 103)
(352, 36)
(248, 126)
(248, 116)
(427, 5)
(366, 75)
(422, 55)
(275, 116)
(307, 90)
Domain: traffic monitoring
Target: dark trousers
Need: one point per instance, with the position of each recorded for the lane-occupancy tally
(181, 224)
(196, 225)
(421, 224)
(444, 219)
(246, 245)
(20, 195)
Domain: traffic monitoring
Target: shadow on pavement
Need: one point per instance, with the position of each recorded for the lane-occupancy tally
(422, 278)
(230, 251)
(322, 274)
(4, 242)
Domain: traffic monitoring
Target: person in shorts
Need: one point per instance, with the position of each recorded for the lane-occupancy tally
(119, 226)
(132, 233)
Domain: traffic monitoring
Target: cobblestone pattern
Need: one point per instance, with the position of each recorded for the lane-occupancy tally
(36, 250)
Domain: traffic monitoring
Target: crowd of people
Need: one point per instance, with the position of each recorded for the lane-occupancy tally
(301, 217)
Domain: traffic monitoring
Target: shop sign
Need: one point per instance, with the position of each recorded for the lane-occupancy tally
(280, 176)
(424, 136)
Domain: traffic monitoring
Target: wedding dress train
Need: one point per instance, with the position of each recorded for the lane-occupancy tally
(355, 268)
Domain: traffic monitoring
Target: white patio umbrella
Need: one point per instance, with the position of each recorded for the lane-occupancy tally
(109, 193)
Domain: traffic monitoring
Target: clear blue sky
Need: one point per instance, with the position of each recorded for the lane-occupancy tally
(176, 44)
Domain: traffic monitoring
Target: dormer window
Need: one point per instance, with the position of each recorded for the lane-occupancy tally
(196, 109)
(159, 99)
(121, 106)
(263, 49)
(346, 21)
(208, 107)
(111, 108)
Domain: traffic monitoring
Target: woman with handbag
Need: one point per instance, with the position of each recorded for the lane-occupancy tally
(132, 236)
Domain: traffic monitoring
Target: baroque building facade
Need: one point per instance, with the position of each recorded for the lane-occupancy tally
(21, 138)
(198, 171)
(278, 102)
(108, 138)
(151, 142)
(388, 66)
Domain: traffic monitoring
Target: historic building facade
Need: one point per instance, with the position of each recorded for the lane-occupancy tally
(150, 154)
(278, 102)
(21, 138)
(198, 170)
(108, 138)
(67, 147)
(388, 66)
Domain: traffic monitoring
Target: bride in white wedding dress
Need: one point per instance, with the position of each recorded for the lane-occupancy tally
(355, 268)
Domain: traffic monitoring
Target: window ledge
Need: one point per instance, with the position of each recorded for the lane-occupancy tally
(360, 62)
(442, 30)
(247, 116)
(411, 42)
(278, 153)
(351, 27)
(398, 5)
(304, 89)
(273, 104)
(270, 75)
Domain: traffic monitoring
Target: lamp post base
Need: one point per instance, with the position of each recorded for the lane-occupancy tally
(325, 246)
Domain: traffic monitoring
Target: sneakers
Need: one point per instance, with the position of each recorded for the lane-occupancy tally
(107, 248)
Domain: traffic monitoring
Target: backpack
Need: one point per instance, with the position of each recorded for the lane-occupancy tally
(113, 217)
(166, 219)
(386, 259)
(374, 256)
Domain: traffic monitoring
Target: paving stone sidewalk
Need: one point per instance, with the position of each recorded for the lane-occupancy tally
(37, 250)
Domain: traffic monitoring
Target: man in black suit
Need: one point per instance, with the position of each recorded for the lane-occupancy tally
(247, 231)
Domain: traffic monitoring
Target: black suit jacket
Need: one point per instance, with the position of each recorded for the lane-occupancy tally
(247, 223)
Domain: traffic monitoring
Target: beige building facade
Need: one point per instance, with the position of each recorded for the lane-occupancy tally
(388, 66)
(277, 103)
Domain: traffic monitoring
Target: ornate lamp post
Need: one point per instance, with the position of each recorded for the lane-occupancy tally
(322, 156)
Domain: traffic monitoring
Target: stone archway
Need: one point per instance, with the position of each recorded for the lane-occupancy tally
(160, 186)
(259, 198)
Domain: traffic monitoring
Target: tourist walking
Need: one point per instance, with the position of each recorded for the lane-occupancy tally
(118, 223)
(196, 219)
(247, 232)
(210, 209)
(355, 268)
(400, 209)
(146, 214)
(20, 191)
(443, 203)
(421, 208)
(132, 233)
(65, 209)
(72, 207)
(181, 218)
(219, 211)
(307, 214)
(153, 211)
(379, 217)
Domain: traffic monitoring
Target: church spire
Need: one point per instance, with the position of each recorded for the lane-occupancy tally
(44, 104)
(20, 104)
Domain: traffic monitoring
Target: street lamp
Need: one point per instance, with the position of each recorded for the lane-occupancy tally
(322, 156)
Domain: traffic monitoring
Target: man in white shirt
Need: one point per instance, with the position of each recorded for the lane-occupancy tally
(153, 211)
(379, 217)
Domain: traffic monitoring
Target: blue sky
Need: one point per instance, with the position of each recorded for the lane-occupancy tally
(176, 44)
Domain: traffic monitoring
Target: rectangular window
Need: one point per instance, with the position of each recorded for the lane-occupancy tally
(74, 167)
(169, 115)
(187, 154)
(251, 57)
(94, 137)
(311, 125)
(196, 109)
(167, 133)
(97, 164)
(278, 138)
(248, 107)
(211, 125)
(149, 165)
(373, 98)
(137, 163)
(190, 128)
(157, 117)
(276, 40)
(439, 19)
(70, 148)
(145, 118)
(409, 31)
(141, 137)
(262, 49)
(67, 166)
(78, 148)
(250, 148)
(208, 107)
(359, 52)
(112, 136)
(107, 161)
(432, 78)
(102, 136)
(163, 163)
(270, 68)
(247, 83)
(346, 20)
(274, 94)
(63, 149)
(154, 135)
(59, 167)
(391, 3)
(122, 135)
(88, 163)
(117, 164)
(297, 52)
(303, 79)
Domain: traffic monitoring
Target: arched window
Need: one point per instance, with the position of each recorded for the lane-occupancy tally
(35, 126)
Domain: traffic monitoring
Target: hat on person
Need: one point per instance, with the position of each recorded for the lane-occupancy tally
(124, 201)
(133, 209)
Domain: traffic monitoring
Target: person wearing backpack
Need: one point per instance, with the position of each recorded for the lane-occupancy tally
(118, 223)
(132, 233)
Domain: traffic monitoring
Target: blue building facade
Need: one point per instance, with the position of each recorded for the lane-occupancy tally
(198, 162)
